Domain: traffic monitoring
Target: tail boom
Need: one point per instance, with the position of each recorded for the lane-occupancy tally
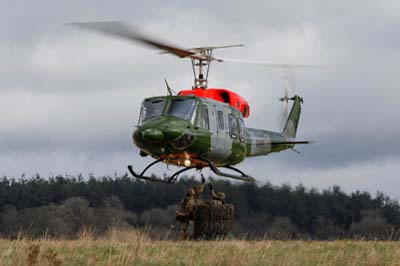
(262, 142)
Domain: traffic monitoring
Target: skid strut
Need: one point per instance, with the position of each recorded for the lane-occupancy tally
(169, 180)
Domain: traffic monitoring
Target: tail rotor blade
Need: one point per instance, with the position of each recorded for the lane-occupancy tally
(289, 87)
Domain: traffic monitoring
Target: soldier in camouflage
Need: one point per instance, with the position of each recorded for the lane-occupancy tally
(198, 191)
(217, 198)
(185, 214)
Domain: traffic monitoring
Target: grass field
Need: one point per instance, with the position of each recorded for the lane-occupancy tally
(132, 248)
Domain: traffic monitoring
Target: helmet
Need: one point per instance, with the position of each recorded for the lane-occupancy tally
(221, 195)
(190, 192)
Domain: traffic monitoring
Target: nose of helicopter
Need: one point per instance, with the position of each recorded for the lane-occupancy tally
(157, 134)
(153, 135)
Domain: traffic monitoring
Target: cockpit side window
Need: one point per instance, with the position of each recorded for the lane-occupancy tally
(233, 126)
(151, 108)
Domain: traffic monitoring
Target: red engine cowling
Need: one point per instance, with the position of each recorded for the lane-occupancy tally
(222, 95)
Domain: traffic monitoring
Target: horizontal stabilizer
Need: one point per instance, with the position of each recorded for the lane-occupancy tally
(292, 142)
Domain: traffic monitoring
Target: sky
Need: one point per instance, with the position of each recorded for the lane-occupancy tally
(70, 99)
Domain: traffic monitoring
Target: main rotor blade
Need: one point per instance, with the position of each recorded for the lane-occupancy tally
(264, 63)
(207, 48)
(215, 47)
(121, 30)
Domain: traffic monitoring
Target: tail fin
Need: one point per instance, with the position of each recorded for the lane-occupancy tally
(292, 122)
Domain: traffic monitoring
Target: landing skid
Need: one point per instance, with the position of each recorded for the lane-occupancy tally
(170, 180)
(167, 180)
(243, 176)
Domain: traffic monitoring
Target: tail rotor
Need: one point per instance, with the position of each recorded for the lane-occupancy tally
(289, 87)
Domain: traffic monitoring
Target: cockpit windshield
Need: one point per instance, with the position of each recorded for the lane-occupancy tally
(151, 108)
(182, 108)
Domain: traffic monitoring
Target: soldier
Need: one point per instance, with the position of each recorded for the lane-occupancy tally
(217, 198)
(198, 190)
(185, 214)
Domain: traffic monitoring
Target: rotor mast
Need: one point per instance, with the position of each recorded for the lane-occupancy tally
(201, 58)
(200, 62)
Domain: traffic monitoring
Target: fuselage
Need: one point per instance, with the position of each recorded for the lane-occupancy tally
(183, 129)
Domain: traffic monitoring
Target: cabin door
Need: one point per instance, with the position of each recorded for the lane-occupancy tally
(213, 126)
(221, 113)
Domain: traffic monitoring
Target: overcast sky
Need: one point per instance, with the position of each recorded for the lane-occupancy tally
(69, 99)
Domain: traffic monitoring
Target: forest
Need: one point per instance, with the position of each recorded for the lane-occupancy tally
(64, 206)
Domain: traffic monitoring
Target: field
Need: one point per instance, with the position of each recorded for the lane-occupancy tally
(133, 248)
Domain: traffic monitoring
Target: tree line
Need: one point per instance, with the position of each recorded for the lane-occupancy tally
(65, 205)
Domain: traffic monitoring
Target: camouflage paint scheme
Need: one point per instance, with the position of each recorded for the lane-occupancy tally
(174, 139)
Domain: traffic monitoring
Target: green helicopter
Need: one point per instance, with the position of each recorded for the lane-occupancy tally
(202, 127)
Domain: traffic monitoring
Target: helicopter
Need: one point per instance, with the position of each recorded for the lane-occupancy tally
(201, 127)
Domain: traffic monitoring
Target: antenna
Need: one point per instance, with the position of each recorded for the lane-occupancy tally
(168, 88)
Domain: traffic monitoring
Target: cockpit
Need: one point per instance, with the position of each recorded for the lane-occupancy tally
(180, 107)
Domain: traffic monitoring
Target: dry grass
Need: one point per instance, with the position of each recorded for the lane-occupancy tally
(119, 247)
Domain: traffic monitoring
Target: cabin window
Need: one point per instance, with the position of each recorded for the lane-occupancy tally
(242, 132)
(204, 122)
(233, 126)
(246, 111)
(182, 108)
(220, 117)
(151, 108)
(225, 96)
